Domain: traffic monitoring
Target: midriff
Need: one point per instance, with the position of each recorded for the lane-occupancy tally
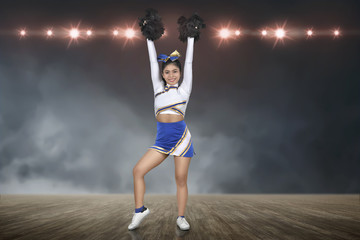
(168, 118)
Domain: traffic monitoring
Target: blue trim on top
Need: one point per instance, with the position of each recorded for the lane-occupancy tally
(166, 90)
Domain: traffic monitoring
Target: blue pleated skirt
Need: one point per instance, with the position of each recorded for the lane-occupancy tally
(174, 139)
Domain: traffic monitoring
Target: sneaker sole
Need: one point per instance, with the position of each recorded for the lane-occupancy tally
(185, 229)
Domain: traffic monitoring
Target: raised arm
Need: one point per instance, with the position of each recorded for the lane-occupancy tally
(158, 84)
(187, 80)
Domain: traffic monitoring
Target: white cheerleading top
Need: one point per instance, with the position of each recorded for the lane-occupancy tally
(171, 99)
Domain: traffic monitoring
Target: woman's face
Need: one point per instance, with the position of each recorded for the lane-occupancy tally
(171, 74)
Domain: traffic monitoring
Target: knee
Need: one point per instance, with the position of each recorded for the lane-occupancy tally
(181, 180)
(138, 172)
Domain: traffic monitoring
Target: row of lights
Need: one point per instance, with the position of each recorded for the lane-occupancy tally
(278, 33)
(75, 33)
(223, 33)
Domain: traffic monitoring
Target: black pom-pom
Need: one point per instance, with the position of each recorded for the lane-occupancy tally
(182, 28)
(151, 25)
(190, 27)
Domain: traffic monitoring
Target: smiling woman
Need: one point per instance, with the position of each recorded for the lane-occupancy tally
(173, 136)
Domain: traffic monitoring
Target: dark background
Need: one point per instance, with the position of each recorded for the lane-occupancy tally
(264, 119)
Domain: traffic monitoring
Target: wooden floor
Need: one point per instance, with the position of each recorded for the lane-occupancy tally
(210, 216)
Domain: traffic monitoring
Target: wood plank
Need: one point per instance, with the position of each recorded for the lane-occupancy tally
(223, 216)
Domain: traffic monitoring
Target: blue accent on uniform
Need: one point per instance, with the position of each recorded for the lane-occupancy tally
(177, 110)
(190, 152)
(137, 210)
(169, 106)
(166, 90)
(168, 135)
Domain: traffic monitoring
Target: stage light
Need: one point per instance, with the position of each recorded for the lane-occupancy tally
(115, 32)
(237, 32)
(49, 33)
(89, 33)
(129, 33)
(264, 33)
(74, 33)
(224, 33)
(22, 32)
(309, 33)
(280, 33)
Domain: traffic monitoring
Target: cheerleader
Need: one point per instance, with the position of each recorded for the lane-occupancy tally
(170, 99)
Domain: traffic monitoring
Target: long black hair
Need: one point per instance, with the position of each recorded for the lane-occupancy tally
(164, 64)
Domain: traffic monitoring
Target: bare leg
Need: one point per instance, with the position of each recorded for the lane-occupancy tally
(181, 173)
(151, 159)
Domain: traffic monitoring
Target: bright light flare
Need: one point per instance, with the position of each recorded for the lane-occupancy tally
(22, 32)
(115, 32)
(74, 33)
(336, 33)
(224, 33)
(264, 33)
(309, 33)
(89, 33)
(130, 33)
(280, 33)
(49, 33)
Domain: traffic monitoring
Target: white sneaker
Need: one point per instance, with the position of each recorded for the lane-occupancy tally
(182, 223)
(137, 219)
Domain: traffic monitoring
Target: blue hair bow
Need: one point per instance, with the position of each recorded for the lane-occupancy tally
(173, 56)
